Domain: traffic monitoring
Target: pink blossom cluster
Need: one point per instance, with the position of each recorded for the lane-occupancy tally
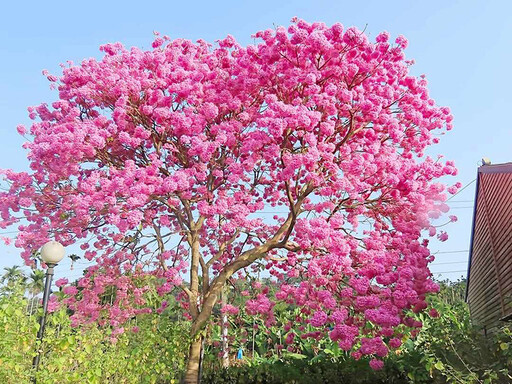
(261, 305)
(230, 309)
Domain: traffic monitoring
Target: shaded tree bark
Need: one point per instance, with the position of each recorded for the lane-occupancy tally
(194, 358)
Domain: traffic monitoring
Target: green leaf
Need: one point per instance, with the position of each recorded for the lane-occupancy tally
(292, 355)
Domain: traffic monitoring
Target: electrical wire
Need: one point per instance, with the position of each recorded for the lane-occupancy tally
(449, 262)
(463, 188)
(442, 252)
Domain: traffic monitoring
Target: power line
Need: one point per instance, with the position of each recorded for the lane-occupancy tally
(448, 262)
(441, 272)
(467, 185)
(461, 251)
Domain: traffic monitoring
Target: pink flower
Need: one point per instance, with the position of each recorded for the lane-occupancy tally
(61, 282)
(157, 42)
(376, 364)
(401, 41)
(433, 312)
(382, 37)
(318, 319)
(395, 342)
(289, 338)
(452, 190)
(6, 240)
(70, 290)
(339, 316)
(53, 304)
(22, 130)
(229, 309)
(443, 236)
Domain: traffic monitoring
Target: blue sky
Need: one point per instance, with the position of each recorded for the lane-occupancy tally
(464, 48)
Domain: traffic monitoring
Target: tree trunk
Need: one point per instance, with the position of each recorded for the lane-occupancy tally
(201, 317)
(194, 358)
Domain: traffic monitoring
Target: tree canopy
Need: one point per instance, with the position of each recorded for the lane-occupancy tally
(191, 163)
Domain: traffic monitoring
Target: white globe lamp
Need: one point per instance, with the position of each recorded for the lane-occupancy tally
(52, 252)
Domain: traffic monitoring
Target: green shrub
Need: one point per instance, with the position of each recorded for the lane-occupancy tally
(154, 354)
(451, 349)
(295, 371)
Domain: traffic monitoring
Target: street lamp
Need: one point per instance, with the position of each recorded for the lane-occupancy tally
(51, 253)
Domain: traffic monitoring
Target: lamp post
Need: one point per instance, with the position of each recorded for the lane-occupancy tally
(51, 254)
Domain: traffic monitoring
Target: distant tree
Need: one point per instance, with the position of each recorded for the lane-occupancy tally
(36, 282)
(35, 286)
(13, 275)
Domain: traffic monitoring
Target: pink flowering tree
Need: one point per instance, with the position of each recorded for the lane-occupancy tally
(166, 163)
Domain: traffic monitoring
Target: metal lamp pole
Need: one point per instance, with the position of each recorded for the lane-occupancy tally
(51, 253)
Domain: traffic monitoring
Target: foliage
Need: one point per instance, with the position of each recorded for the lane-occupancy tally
(36, 281)
(452, 349)
(12, 277)
(448, 349)
(17, 334)
(297, 371)
(152, 350)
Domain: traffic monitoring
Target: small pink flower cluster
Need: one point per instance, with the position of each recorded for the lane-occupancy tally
(230, 309)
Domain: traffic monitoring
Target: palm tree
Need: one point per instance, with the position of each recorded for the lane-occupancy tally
(35, 287)
(36, 284)
(13, 275)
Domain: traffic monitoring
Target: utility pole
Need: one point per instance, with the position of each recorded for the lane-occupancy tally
(224, 330)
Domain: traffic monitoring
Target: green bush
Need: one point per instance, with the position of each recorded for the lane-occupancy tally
(154, 354)
(17, 334)
(451, 349)
(295, 371)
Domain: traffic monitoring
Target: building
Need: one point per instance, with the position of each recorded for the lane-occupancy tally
(489, 278)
